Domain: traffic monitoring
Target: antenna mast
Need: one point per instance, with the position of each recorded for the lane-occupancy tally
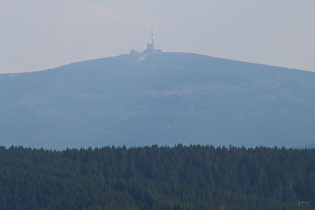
(152, 35)
(150, 45)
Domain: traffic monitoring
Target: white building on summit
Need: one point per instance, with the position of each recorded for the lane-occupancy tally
(150, 46)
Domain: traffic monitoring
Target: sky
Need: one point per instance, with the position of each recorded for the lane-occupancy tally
(37, 35)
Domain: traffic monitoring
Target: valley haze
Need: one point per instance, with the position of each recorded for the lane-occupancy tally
(155, 97)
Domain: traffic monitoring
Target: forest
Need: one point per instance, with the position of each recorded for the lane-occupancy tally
(157, 177)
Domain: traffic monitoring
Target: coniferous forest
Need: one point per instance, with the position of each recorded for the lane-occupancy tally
(180, 177)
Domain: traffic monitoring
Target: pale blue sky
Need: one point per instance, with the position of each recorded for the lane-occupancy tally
(37, 35)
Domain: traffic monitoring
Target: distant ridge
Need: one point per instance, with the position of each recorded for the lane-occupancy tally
(160, 98)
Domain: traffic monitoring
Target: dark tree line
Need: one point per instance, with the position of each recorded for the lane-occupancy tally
(180, 177)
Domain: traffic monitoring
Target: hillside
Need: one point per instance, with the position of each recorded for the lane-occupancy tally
(158, 98)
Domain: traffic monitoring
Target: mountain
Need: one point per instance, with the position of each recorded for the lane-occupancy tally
(159, 98)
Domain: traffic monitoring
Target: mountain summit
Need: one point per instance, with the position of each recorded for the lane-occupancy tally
(158, 98)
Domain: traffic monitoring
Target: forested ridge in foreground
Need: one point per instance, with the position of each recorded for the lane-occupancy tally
(180, 177)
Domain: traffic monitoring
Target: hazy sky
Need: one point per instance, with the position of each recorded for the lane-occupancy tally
(37, 34)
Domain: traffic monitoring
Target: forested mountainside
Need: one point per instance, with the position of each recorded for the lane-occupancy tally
(158, 98)
(153, 177)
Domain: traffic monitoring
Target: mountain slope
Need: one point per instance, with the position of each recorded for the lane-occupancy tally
(158, 98)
